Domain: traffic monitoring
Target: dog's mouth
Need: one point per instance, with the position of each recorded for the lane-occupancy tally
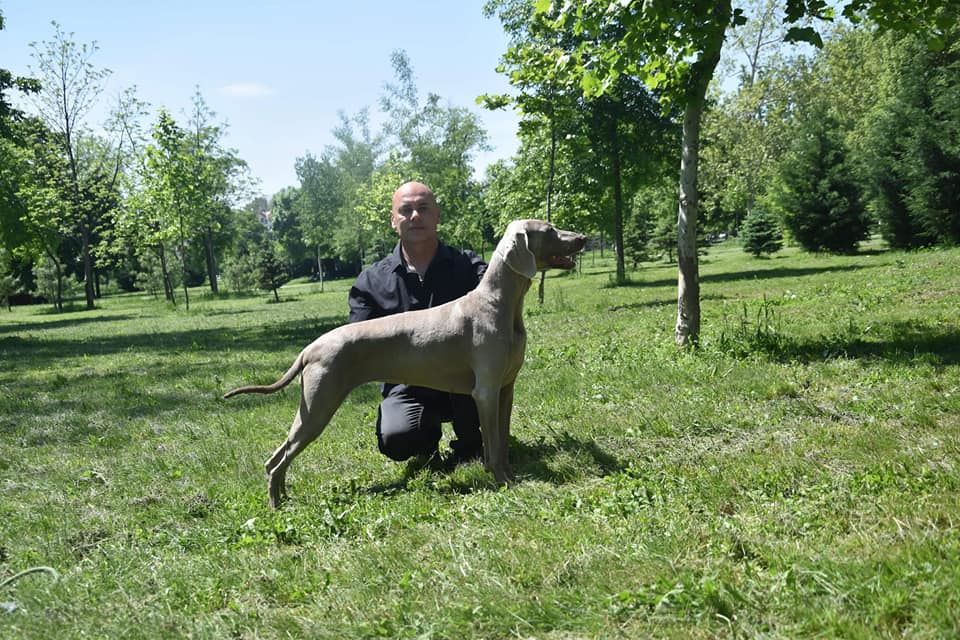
(561, 262)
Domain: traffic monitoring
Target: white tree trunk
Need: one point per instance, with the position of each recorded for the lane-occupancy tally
(688, 277)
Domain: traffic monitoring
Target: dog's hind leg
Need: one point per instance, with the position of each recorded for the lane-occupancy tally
(308, 424)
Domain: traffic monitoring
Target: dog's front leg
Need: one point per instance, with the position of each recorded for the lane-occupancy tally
(487, 398)
(505, 413)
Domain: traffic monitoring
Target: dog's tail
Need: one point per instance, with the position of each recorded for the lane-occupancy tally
(287, 378)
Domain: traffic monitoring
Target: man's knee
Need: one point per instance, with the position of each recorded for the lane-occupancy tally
(405, 429)
(402, 446)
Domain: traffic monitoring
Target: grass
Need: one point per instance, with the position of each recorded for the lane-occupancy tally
(795, 477)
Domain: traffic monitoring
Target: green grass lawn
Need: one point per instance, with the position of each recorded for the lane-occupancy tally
(797, 476)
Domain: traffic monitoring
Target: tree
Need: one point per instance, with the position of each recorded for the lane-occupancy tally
(71, 85)
(170, 176)
(760, 233)
(271, 272)
(285, 213)
(816, 190)
(905, 147)
(637, 235)
(8, 282)
(354, 160)
(622, 126)
(8, 113)
(14, 131)
(214, 177)
(674, 47)
(435, 144)
(744, 133)
(45, 215)
(322, 198)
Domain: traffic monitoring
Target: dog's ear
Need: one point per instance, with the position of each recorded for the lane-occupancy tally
(518, 256)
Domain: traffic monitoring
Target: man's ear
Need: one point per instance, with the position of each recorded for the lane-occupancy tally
(519, 257)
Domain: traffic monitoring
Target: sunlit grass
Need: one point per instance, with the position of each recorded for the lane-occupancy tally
(796, 476)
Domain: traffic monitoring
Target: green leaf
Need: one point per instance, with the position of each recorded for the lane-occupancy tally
(804, 34)
(590, 83)
(541, 6)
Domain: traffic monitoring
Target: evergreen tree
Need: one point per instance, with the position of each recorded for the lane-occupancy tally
(665, 238)
(637, 234)
(816, 189)
(760, 233)
(908, 152)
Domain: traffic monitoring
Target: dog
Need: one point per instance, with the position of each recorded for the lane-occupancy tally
(472, 345)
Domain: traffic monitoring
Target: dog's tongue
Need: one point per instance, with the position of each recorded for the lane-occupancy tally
(562, 262)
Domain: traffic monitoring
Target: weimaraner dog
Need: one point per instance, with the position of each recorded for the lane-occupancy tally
(472, 345)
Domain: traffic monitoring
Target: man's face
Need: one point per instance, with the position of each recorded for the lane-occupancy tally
(415, 214)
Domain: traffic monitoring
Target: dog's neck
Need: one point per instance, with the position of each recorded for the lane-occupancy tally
(505, 285)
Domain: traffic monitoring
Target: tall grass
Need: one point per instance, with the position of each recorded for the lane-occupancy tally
(794, 477)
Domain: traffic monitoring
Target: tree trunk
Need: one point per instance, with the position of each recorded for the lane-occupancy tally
(550, 175)
(320, 268)
(211, 260)
(617, 204)
(688, 277)
(87, 265)
(183, 259)
(58, 303)
(165, 274)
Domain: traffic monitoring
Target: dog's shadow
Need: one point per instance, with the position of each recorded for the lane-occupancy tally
(558, 460)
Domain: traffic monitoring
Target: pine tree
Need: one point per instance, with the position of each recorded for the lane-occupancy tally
(760, 233)
(817, 191)
(636, 237)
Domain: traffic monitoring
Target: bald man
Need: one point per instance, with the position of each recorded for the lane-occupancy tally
(421, 272)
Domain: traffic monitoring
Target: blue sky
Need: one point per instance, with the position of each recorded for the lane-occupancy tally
(276, 72)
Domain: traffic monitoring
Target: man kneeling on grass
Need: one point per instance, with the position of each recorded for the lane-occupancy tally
(421, 272)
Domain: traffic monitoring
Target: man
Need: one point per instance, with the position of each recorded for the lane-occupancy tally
(421, 272)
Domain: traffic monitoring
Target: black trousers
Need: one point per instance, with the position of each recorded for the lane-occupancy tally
(409, 419)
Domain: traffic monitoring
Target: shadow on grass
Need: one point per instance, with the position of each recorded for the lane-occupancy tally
(752, 274)
(671, 302)
(534, 460)
(909, 344)
(528, 461)
(78, 319)
(37, 352)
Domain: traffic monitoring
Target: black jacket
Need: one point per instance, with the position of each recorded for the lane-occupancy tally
(387, 287)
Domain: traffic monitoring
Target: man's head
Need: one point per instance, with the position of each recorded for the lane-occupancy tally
(415, 214)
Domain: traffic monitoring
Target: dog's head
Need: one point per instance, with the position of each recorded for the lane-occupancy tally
(529, 246)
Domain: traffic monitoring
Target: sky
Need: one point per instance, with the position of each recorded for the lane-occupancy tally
(277, 73)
